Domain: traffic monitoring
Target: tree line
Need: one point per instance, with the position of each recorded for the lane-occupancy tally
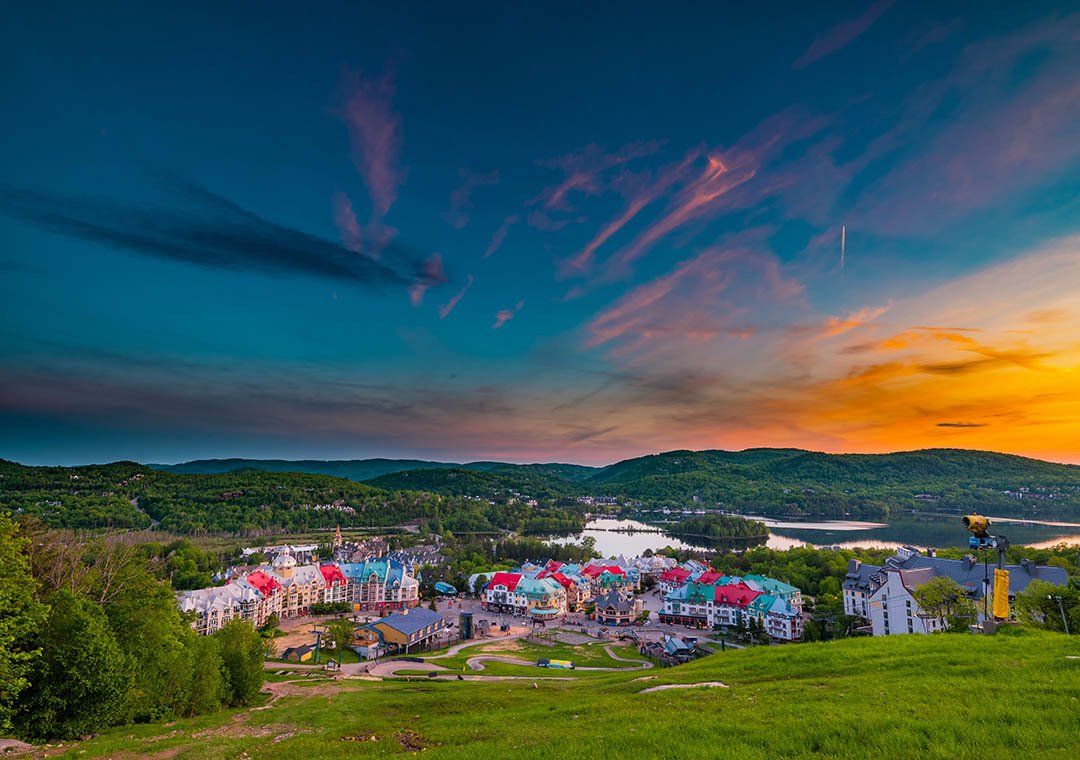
(91, 637)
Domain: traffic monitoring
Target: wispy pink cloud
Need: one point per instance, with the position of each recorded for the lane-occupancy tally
(446, 308)
(694, 201)
(345, 219)
(461, 198)
(1002, 135)
(505, 315)
(375, 135)
(695, 302)
(499, 237)
(500, 234)
(584, 173)
(643, 190)
(433, 274)
(842, 34)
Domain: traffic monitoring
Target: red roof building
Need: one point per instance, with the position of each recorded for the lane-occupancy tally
(332, 574)
(735, 594)
(263, 583)
(709, 576)
(675, 575)
(562, 580)
(594, 571)
(509, 580)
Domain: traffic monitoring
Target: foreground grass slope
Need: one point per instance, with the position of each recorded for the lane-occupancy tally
(1011, 695)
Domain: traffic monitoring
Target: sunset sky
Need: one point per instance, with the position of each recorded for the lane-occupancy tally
(538, 233)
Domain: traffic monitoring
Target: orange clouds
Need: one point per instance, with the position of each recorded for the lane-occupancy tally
(839, 325)
(868, 384)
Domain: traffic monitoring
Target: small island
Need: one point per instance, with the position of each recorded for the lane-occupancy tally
(722, 527)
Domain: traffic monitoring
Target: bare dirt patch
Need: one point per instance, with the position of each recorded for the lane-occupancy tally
(411, 740)
(701, 685)
(12, 747)
(276, 732)
(509, 645)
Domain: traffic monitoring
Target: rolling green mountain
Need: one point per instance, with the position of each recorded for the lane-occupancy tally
(353, 469)
(251, 495)
(367, 469)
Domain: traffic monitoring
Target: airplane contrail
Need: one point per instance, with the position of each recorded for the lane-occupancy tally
(843, 243)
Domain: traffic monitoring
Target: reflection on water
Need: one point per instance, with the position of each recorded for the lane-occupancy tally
(846, 534)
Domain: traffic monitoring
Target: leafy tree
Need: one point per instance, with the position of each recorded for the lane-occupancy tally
(242, 655)
(80, 683)
(156, 639)
(20, 616)
(1049, 606)
(944, 599)
(341, 631)
(208, 687)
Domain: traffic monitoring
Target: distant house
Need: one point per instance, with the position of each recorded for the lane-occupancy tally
(301, 653)
(405, 631)
(884, 595)
(615, 608)
(673, 578)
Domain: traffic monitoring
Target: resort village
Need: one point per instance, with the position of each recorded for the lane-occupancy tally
(659, 602)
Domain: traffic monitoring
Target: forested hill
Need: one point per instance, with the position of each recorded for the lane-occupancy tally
(367, 469)
(769, 481)
(486, 496)
(353, 469)
(792, 481)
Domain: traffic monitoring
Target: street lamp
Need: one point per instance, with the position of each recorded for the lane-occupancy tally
(1061, 608)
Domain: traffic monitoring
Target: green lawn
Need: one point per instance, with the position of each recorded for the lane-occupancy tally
(1016, 694)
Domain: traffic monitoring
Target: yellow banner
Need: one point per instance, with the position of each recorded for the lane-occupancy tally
(1001, 594)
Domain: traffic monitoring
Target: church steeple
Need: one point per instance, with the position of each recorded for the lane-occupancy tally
(338, 541)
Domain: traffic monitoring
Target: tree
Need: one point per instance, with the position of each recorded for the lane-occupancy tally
(944, 599)
(20, 616)
(158, 642)
(242, 653)
(341, 632)
(82, 679)
(1050, 606)
(208, 688)
(272, 623)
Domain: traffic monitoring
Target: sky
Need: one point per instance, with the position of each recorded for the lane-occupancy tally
(547, 232)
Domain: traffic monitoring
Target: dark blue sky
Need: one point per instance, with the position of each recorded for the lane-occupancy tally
(554, 232)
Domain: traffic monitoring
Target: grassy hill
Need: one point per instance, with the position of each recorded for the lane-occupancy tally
(944, 696)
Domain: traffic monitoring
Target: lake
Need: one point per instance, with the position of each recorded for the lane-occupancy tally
(848, 534)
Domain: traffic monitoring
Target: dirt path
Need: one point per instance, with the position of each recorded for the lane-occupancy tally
(641, 664)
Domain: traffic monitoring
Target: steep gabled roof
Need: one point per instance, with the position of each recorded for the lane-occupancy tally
(675, 574)
(262, 582)
(510, 580)
(332, 574)
(736, 594)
